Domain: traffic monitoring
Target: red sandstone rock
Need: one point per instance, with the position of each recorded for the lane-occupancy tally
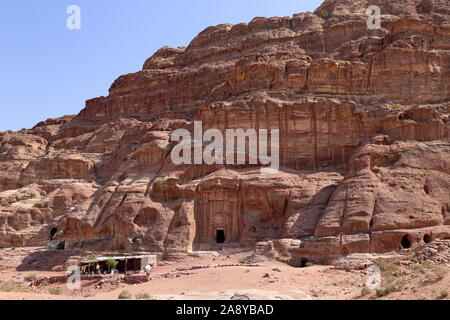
(364, 142)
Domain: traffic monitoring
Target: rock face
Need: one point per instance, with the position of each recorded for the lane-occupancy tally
(364, 129)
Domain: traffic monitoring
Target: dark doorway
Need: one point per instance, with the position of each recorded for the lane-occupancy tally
(220, 236)
(427, 238)
(405, 243)
(53, 232)
(303, 263)
(298, 262)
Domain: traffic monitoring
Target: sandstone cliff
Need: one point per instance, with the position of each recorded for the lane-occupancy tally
(364, 142)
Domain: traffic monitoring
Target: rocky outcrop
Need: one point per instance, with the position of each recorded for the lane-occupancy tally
(363, 117)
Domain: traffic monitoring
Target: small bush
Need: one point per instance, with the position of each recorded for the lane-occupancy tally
(9, 286)
(142, 296)
(124, 295)
(439, 272)
(44, 282)
(400, 282)
(365, 291)
(55, 291)
(112, 264)
(386, 291)
(334, 20)
(398, 106)
(244, 260)
(30, 277)
(444, 294)
(387, 266)
(402, 16)
(324, 13)
(309, 264)
(380, 292)
(433, 272)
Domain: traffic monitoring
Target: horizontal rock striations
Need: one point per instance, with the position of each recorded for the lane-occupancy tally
(363, 117)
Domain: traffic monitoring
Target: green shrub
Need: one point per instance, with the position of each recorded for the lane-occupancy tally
(112, 264)
(387, 266)
(433, 271)
(438, 272)
(44, 282)
(365, 291)
(386, 291)
(30, 277)
(55, 291)
(124, 295)
(398, 106)
(324, 13)
(9, 286)
(402, 16)
(400, 282)
(380, 292)
(142, 296)
(244, 260)
(334, 20)
(444, 294)
(309, 264)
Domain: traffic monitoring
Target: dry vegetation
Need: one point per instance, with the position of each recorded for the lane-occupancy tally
(396, 278)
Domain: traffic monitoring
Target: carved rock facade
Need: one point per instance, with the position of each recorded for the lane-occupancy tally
(364, 142)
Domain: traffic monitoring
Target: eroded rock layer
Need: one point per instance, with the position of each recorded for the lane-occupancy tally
(364, 142)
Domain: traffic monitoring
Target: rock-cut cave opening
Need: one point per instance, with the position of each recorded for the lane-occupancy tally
(220, 236)
(405, 243)
(427, 238)
(53, 232)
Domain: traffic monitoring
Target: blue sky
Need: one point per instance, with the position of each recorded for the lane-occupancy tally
(48, 71)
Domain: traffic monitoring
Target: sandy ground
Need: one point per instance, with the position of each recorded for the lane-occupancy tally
(220, 276)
